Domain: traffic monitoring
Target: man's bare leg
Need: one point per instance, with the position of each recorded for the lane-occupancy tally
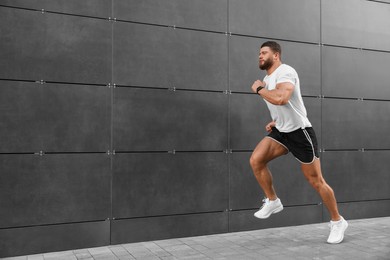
(267, 150)
(314, 176)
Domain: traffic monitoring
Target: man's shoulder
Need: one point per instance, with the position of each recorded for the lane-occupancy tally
(284, 68)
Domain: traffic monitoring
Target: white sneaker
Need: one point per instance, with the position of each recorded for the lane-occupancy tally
(337, 229)
(269, 207)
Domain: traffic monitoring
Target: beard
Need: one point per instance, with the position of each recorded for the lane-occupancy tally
(266, 65)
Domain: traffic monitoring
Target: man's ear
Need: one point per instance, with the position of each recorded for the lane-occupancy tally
(276, 56)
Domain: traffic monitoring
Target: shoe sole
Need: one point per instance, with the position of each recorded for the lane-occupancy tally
(277, 210)
(341, 239)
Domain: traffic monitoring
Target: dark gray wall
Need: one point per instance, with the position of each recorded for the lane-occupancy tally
(125, 121)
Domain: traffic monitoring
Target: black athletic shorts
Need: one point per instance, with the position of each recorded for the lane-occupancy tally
(302, 143)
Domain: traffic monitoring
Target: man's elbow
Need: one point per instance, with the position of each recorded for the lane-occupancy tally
(281, 101)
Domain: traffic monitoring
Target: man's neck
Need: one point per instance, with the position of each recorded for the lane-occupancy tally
(274, 67)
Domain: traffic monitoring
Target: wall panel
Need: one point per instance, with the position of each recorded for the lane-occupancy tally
(270, 19)
(54, 117)
(248, 118)
(200, 60)
(20, 105)
(155, 120)
(244, 65)
(363, 209)
(203, 14)
(52, 238)
(170, 57)
(151, 46)
(77, 49)
(356, 23)
(349, 73)
(60, 48)
(358, 176)
(355, 124)
(169, 183)
(75, 118)
(22, 57)
(53, 189)
(156, 228)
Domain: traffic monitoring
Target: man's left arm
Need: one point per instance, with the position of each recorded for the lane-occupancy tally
(278, 96)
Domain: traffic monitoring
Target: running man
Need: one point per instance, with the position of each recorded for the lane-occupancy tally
(289, 131)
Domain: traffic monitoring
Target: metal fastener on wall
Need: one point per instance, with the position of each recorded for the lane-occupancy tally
(40, 81)
(40, 153)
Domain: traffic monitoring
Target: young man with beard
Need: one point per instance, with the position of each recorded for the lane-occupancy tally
(289, 131)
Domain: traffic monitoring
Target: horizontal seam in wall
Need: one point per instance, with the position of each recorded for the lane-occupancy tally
(54, 224)
(55, 12)
(170, 215)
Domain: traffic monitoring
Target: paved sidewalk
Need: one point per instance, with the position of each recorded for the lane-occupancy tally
(364, 239)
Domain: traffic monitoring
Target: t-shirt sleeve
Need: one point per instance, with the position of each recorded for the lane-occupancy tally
(287, 76)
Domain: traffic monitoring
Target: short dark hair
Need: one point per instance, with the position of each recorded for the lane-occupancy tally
(274, 46)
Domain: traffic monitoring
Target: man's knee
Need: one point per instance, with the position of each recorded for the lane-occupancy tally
(316, 182)
(256, 161)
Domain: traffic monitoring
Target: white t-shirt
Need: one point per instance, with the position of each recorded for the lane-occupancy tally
(291, 116)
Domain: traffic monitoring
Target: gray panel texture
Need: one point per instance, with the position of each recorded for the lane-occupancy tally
(170, 58)
(143, 55)
(53, 117)
(156, 228)
(290, 216)
(289, 182)
(49, 189)
(201, 14)
(75, 118)
(60, 47)
(77, 49)
(314, 110)
(356, 23)
(357, 176)
(349, 73)
(363, 209)
(22, 57)
(95, 8)
(290, 20)
(20, 106)
(150, 184)
(343, 22)
(355, 124)
(249, 115)
(164, 120)
(200, 60)
(244, 65)
(42, 239)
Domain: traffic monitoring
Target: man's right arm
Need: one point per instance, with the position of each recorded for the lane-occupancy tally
(269, 126)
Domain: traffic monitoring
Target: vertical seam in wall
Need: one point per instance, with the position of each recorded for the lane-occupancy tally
(111, 120)
(228, 108)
